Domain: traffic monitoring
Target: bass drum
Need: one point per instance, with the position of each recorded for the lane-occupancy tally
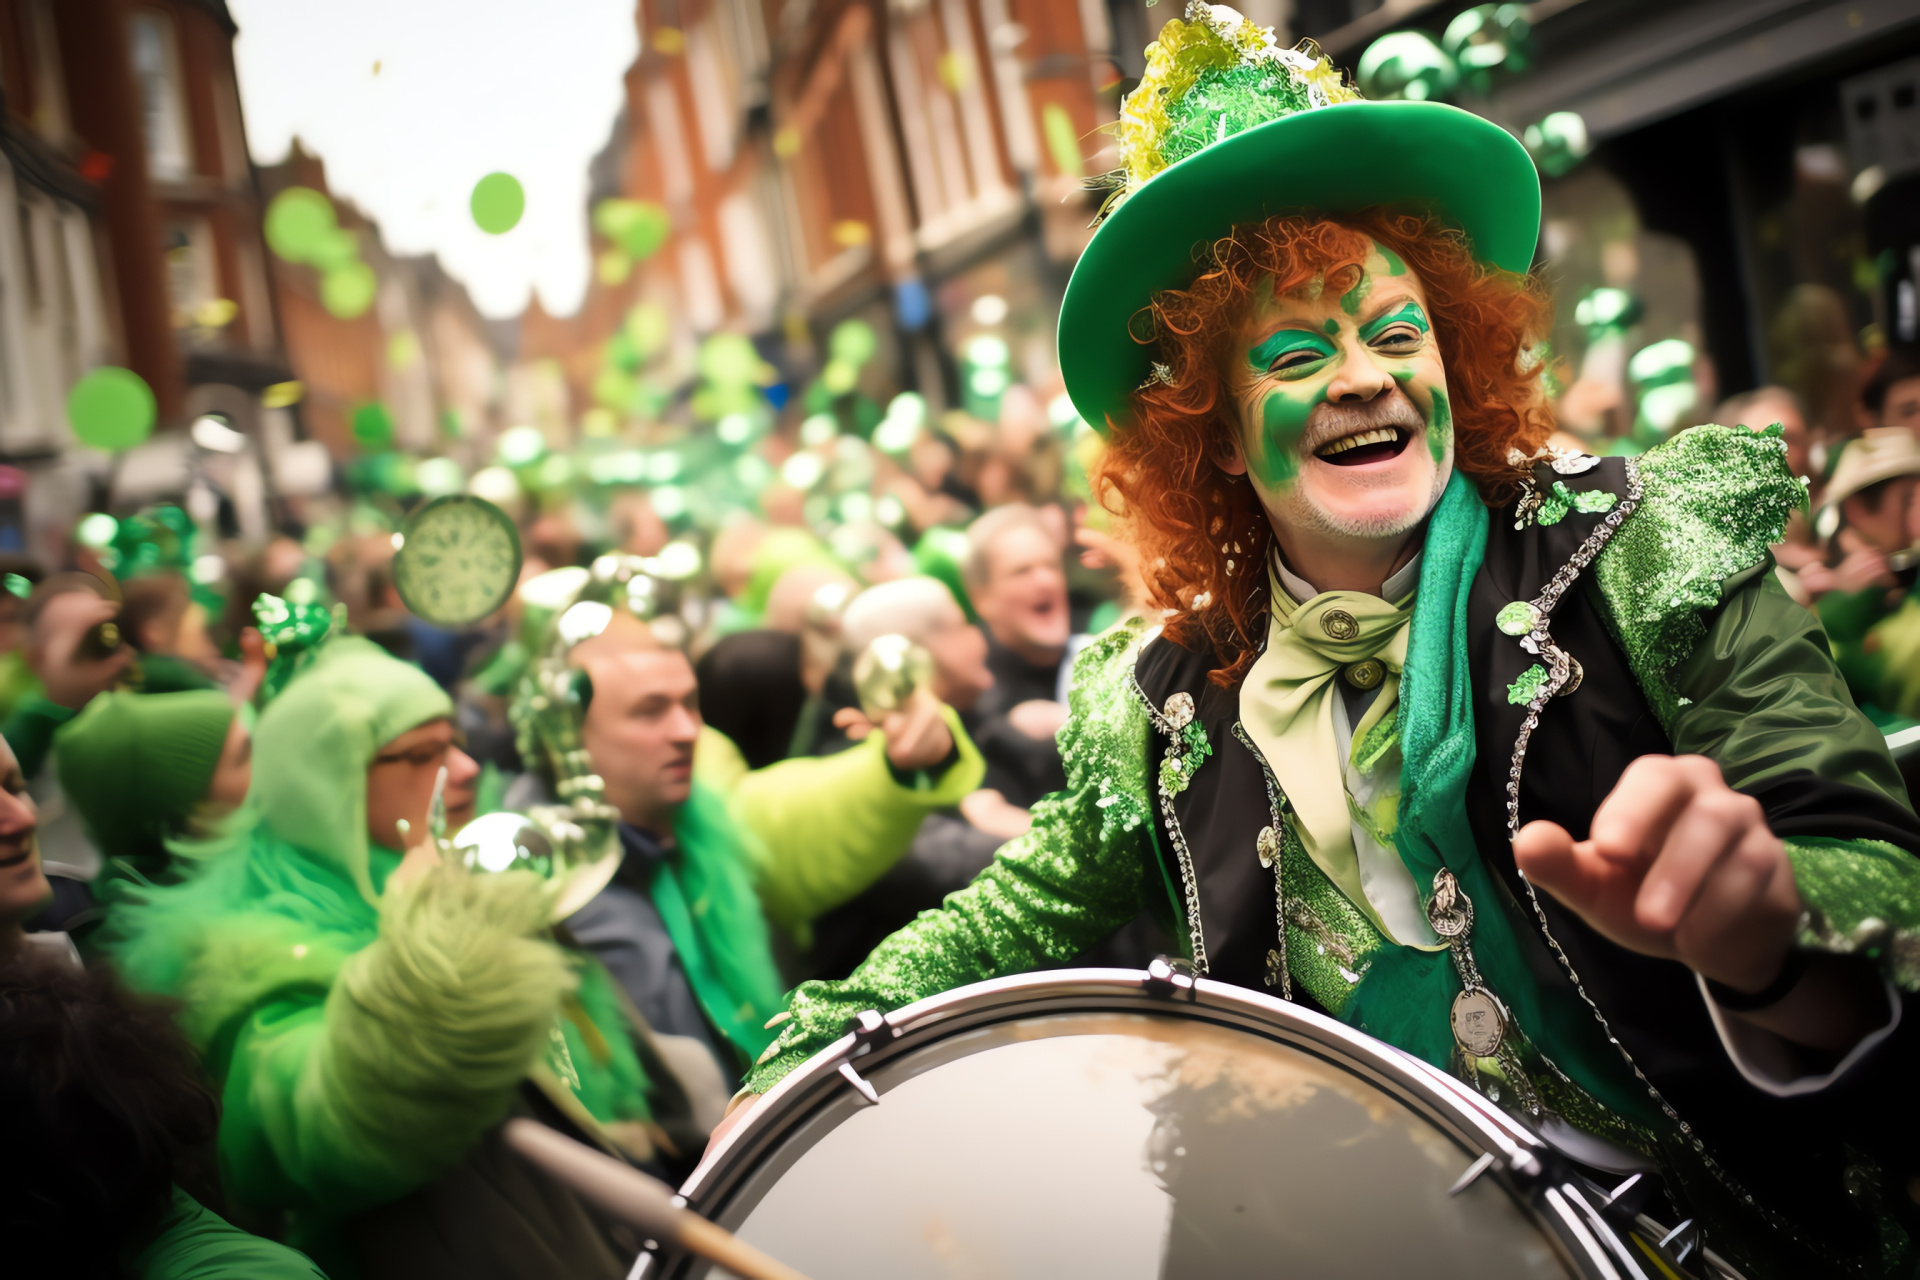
(1125, 1125)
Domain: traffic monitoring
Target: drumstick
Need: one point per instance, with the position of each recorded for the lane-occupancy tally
(647, 1203)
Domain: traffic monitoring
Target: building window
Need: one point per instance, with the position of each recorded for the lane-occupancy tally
(191, 279)
(156, 65)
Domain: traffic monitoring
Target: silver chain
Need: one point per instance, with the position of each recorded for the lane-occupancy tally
(1558, 672)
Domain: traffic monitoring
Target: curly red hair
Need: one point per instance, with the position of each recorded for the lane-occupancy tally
(1202, 534)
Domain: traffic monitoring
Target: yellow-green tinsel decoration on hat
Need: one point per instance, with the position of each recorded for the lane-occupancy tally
(1213, 75)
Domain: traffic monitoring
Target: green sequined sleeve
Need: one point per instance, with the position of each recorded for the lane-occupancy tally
(1078, 875)
(1713, 499)
(1740, 673)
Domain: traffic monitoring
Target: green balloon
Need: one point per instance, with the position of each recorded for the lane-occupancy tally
(1409, 65)
(498, 201)
(639, 227)
(648, 327)
(348, 291)
(298, 221)
(729, 360)
(337, 248)
(111, 408)
(853, 342)
(373, 427)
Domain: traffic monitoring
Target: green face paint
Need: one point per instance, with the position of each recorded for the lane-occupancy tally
(1408, 312)
(1350, 300)
(1331, 328)
(1439, 425)
(1395, 267)
(1283, 420)
(1285, 342)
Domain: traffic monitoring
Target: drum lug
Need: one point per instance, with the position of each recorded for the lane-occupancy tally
(861, 1085)
(1522, 1165)
(870, 1030)
(1169, 976)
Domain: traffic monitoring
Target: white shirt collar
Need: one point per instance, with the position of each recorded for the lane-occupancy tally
(1396, 588)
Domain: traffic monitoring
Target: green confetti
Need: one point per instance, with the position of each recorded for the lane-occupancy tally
(498, 201)
(111, 408)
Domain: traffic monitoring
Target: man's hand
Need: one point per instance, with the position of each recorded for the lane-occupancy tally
(737, 1110)
(989, 811)
(1678, 865)
(69, 679)
(917, 734)
(1038, 718)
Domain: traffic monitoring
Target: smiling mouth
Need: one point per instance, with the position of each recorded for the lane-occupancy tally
(12, 860)
(1375, 444)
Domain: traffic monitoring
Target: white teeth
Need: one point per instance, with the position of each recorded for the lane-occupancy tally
(1379, 435)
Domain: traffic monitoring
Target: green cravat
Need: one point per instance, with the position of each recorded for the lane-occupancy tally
(1287, 706)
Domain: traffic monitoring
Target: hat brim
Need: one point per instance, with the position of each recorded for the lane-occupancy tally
(1340, 159)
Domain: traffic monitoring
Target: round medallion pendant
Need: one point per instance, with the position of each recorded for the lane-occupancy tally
(1339, 624)
(1479, 1023)
(1366, 673)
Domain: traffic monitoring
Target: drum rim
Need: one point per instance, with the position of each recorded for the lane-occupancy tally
(1526, 1167)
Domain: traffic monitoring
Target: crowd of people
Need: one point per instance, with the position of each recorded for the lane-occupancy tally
(261, 1016)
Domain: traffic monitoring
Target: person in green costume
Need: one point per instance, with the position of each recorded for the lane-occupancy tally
(145, 769)
(1521, 761)
(100, 1101)
(719, 866)
(372, 1016)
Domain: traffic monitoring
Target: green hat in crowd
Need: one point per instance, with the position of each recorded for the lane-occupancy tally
(1228, 127)
(134, 765)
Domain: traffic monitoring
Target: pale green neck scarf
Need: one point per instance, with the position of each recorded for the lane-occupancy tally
(1288, 704)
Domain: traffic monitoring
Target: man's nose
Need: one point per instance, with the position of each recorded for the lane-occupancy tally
(1359, 378)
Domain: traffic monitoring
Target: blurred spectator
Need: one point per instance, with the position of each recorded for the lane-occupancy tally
(68, 623)
(1892, 395)
(102, 1108)
(713, 853)
(954, 843)
(372, 1016)
(752, 691)
(145, 769)
(1018, 586)
(1770, 406)
(1811, 349)
(1866, 603)
(160, 617)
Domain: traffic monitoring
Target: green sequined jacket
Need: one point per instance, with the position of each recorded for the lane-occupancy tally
(1683, 642)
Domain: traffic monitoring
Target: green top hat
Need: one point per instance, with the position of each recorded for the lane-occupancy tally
(1227, 127)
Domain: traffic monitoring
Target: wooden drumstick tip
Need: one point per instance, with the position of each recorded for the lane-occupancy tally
(645, 1202)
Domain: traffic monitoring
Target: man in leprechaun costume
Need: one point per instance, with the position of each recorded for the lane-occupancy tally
(1518, 760)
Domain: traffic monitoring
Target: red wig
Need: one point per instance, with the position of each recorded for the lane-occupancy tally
(1202, 534)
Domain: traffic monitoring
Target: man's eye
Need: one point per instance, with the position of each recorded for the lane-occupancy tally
(1301, 358)
(1398, 337)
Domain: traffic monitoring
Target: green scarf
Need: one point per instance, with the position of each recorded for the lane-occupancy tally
(1406, 994)
(707, 901)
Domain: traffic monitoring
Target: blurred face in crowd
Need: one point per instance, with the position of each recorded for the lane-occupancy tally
(1882, 514)
(959, 653)
(23, 886)
(641, 728)
(1773, 408)
(1340, 404)
(1023, 600)
(1902, 405)
(400, 784)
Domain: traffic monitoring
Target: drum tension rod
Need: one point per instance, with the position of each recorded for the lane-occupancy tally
(870, 1030)
(1172, 976)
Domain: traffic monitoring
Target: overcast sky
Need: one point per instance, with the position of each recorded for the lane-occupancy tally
(462, 88)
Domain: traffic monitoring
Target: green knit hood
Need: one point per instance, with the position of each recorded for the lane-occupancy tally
(135, 764)
(315, 741)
